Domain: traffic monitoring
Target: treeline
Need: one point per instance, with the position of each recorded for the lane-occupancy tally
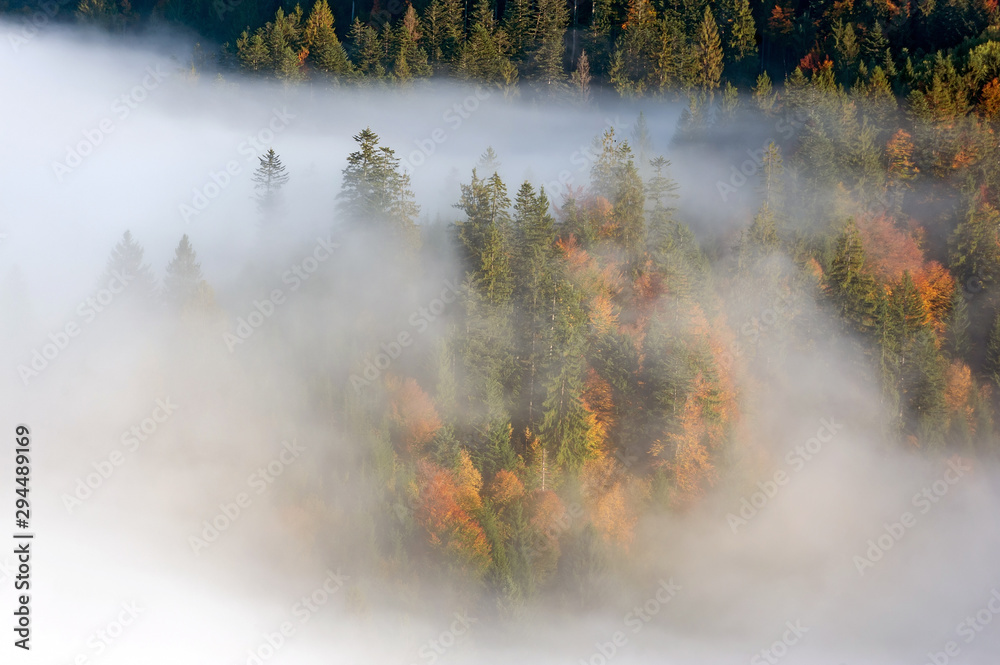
(636, 47)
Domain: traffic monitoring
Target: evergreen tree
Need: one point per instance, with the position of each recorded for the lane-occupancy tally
(763, 94)
(183, 281)
(410, 60)
(326, 52)
(268, 180)
(368, 50)
(127, 260)
(486, 235)
(743, 38)
(615, 177)
(517, 24)
(376, 190)
(483, 59)
(548, 35)
(634, 66)
(710, 53)
(533, 266)
(252, 52)
(976, 245)
(853, 290)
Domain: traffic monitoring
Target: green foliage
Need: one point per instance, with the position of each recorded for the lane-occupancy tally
(375, 190)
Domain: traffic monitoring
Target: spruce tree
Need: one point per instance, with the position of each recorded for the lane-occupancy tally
(127, 260)
(183, 280)
(326, 52)
(548, 34)
(487, 236)
(368, 52)
(743, 37)
(410, 60)
(710, 53)
(976, 245)
(268, 180)
(854, 291)
(375, 190)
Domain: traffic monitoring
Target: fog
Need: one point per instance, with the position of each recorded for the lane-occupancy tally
(717, 585)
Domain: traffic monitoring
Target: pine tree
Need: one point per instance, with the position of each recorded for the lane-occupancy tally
(326, 52)
(127, 260)
(486, 234)
(483, 59)
(368, 50)
(410, 60)
(183, 281)
(710, 53)
(489, 161)
(927, 390)
(375, 189)
(517, 24)
(976, 245)
(444, 21)
(548, 34)
(533, 268)
(637, 51)
(874, 43)
(666, 242)
(268, 180)
(763, 94)
(743, 37)
(252, 53)
(854, 292)
(847, 51)
(615, 177)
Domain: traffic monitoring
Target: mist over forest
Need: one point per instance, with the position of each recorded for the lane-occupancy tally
(413, 334)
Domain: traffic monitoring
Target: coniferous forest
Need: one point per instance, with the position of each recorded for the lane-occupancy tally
(526, 398)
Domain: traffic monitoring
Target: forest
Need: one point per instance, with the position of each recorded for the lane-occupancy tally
(520, 387)
(591, 356)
